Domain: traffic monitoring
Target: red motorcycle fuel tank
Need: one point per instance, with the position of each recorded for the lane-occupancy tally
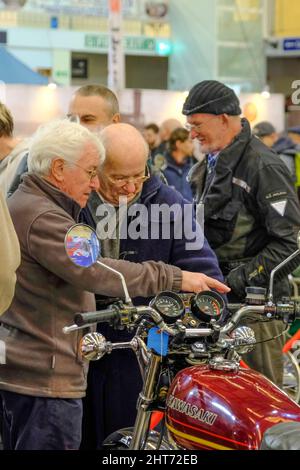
(224, 410)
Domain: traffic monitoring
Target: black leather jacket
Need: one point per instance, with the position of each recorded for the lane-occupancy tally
(251, 213)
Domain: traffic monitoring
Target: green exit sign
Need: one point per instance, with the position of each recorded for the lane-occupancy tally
(131, 43)
(139, 44)
(96, 41)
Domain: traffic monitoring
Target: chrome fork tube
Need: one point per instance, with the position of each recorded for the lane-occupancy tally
(145, 399)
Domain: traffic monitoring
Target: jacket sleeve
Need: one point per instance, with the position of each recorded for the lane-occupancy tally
(46, 246)
(278, 213)
(10, 257)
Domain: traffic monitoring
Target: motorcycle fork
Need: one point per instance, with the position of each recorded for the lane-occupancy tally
(146, 396)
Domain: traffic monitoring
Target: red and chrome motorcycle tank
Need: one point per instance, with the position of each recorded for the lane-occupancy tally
(220, 410)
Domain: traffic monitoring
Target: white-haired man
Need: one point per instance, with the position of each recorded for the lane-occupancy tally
(42, 376)
(94, 106)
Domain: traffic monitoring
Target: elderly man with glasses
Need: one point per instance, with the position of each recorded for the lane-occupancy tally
(43, 377)
(246, 197)
(130, 198)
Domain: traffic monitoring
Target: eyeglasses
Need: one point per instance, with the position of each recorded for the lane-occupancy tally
(73, 118)
(197, 127)
(123, 180)
(91, 173)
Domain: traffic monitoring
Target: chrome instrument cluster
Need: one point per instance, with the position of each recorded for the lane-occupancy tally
(191, 309)
(207, 305)
(169, 305)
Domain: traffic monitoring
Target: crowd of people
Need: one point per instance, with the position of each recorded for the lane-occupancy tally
(93, 168)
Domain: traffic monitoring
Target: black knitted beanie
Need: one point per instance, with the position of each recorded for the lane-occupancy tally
(211, 97)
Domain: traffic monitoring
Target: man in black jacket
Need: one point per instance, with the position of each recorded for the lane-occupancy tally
(246, 198)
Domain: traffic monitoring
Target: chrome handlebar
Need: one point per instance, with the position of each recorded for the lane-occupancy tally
(126, 315)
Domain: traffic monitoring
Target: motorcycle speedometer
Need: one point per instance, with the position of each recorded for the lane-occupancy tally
(207, 305)
(169, 305)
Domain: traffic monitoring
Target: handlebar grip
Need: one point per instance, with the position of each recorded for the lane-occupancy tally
(102, 316)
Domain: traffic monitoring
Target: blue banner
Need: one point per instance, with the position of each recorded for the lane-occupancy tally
(291, 44)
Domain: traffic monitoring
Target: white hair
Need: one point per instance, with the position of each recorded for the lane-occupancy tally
(60, 139)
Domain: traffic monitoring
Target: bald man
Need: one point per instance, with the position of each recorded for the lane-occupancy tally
(167, 127)
(165, 131)
(114, 382)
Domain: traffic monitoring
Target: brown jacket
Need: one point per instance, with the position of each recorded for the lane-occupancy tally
(40, 359)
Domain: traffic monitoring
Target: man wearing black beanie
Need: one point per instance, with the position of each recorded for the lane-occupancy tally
(246, 198)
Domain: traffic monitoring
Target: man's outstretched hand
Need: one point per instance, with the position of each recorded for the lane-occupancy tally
(197, 282)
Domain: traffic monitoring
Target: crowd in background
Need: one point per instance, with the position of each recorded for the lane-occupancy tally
(172, 152)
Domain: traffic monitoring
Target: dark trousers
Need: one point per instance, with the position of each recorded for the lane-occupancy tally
(38, 423)
(114, 383)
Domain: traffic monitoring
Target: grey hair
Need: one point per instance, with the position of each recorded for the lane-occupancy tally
(60, 139)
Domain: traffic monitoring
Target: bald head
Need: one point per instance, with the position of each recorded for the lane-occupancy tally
(167, 127)
(124, 166)
(124, 144)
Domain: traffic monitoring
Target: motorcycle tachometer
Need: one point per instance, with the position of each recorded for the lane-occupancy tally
(207, 305)
(169, 305)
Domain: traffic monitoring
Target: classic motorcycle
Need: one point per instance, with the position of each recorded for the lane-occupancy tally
(189, 357)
